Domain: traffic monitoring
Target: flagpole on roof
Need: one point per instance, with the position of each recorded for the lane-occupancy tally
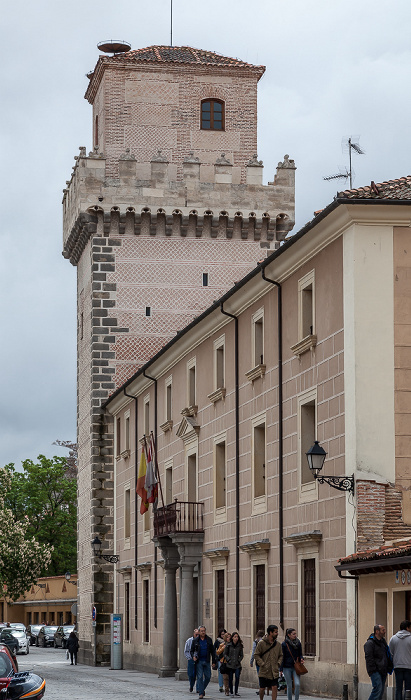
(171, 22)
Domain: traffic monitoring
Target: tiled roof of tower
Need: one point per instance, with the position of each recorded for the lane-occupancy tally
(390, 189)
(181, 54)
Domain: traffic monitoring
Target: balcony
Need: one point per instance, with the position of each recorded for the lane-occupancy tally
(180, 516)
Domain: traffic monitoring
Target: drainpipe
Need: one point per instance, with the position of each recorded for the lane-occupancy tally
(136, 450)
(237, 468)
(355, 676)
(155, 445)
(280, 441)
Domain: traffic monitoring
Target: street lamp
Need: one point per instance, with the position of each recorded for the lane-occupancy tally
(96, 545)
(67, 576)
(315, 457)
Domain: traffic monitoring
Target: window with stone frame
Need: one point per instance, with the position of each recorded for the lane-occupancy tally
(212, 115)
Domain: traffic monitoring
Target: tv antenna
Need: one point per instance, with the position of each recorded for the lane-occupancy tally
(351, 144)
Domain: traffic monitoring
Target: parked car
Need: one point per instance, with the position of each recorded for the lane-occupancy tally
(61, 635)
(45, 637)
(8, 667)
(21, 637)
(7, 639)
(32, 632)
(18, 626)
(18, 685)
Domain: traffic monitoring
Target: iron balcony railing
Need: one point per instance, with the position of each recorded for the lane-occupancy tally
(180, 516)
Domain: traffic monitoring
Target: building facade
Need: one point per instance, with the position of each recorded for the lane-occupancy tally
(163, 216)
(49, 601)
(312, 345)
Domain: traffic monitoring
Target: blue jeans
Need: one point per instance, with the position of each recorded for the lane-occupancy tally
(231, 674)
(289, 674)
(203, 676)
(220, 676)
(378, 685)
(191, 672)
(402, 676)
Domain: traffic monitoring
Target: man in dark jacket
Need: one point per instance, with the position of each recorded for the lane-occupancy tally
(202, 649)
(377, 661)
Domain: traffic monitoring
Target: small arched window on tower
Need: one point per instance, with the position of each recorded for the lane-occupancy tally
(212, 115)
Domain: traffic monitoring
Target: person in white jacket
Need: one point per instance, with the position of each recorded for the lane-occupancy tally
(400, 648)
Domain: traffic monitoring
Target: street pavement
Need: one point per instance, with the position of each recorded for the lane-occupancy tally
(90, 683)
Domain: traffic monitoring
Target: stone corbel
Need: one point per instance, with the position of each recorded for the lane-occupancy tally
(144, 566)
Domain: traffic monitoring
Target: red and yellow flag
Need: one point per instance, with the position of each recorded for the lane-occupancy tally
(140, 488)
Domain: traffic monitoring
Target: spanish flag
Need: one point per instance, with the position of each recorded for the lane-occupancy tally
(140, 488)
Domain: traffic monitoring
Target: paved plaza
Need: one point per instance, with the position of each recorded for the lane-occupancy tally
(89, 683)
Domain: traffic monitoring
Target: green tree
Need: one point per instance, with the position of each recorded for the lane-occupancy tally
(22, 557)
(44, 496)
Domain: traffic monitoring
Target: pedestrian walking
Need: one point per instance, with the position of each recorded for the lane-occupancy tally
(259, 635)
(400, 648)
(72, 646)
(191, 667)
(292, 652)
(234, 654)
(218, 642)
(202, 650)
(377, 661)
(269, 655)
(222, 661)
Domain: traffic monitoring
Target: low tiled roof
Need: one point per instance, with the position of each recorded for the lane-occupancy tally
(399, 549)
(181, 54)
(390, 189)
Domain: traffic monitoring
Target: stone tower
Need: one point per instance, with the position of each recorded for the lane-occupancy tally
(163, 216)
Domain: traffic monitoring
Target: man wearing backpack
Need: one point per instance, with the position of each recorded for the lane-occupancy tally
(268, 656)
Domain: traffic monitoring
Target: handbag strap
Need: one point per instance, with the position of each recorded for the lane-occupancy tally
(290, 653)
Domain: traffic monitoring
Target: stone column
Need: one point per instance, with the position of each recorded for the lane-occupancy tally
(169, 552)
(190, 548)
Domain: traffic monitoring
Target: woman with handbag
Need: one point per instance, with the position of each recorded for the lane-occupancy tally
(293, 662)
(218, 642)
(222, 660)
(234, 653)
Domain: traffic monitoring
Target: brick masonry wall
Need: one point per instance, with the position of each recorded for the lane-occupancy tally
(371, 508)
(150, 108)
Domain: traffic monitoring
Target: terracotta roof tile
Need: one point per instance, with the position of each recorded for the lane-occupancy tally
(181, 54)
(400, 548)
(390, 189)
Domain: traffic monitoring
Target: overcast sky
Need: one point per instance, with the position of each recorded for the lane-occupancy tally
(333, 70)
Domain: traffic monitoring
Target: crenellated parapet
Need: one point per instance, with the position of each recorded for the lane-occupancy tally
(148, 199)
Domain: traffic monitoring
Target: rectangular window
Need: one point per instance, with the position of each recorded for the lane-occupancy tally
(146, 610)
(220, 475)
(309, 609)
(127, 517)
(220, 600)
(169, 485)
(259, 603)
(257, 338)
(259, 460)
(127, 432)
(219, 360)
(118, 436)
(146, 520)
(205, 279)
(192, 478)
(306, 307)
(148, 311)
(28, 615)
(192, 384)
(168, 401)
(127, 610)
(307, 438)
(146, 416)
(36, 618)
